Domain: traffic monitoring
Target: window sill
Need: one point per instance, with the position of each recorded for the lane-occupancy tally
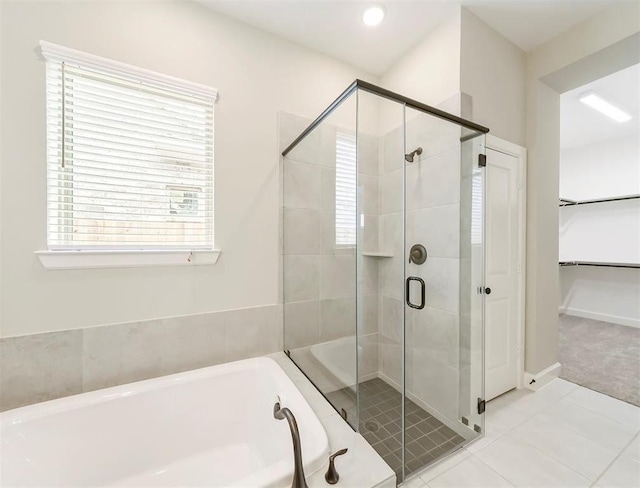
(55, 260)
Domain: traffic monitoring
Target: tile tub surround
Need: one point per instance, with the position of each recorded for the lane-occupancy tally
(39, 367)
(559, 436)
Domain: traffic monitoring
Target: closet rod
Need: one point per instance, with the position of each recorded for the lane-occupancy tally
(600, 264)
(565, 202)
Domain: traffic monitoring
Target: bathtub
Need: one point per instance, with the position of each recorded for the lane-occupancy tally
(208, 427)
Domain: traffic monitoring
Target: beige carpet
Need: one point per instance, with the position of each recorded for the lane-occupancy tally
(601, 356)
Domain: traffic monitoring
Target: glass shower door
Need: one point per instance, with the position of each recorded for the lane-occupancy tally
(380, 271)
(319, 254)
(442, 272)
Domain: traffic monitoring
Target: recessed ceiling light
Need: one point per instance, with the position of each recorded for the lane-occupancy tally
(602, 106)
(373, 16)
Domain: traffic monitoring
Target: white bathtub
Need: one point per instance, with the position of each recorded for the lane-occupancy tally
(208, 427)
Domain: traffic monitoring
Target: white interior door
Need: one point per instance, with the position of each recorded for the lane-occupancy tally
(501, 268)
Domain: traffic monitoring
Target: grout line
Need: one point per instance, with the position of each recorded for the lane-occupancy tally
(512, 483)
(598, 413)
(510, 432)
(442, 461)
(542, 410)
(550, 456)
(615, 459)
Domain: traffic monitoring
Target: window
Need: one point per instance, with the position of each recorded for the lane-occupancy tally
(129, 157)
(477, 204)
(346, 190)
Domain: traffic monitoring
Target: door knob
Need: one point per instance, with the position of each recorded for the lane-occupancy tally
(487, 290)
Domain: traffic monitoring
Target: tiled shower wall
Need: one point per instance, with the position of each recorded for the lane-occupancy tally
(432, 219)
(319, 276)
(39, 367)
(433, 335)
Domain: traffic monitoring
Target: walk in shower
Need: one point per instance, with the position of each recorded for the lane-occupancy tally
(382, 269)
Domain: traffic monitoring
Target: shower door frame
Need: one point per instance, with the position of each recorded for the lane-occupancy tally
(396, 97)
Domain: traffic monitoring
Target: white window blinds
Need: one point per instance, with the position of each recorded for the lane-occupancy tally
(130, 160)
(477, 204)
(346, 189)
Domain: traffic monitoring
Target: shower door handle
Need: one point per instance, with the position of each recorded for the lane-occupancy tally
(423, 292)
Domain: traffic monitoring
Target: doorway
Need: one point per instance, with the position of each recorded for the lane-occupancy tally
(599, 235)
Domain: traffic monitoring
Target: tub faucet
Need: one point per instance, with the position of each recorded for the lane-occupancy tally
(298, 473)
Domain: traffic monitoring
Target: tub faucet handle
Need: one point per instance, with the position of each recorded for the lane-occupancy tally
(332, 475)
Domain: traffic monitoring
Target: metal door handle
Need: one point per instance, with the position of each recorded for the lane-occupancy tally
(423, 292)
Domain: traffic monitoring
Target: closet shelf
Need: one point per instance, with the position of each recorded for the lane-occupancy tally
(599, 263)
(565, 202)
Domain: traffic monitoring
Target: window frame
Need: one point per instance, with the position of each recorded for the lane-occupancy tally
(96, 256)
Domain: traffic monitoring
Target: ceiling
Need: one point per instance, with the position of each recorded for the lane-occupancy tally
(582, 125)
(334, 27)
(529, 23)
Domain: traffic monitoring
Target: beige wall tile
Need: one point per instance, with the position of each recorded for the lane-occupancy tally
(302, 323)
(40, 367)
(192, 342)
(251, 332)
(123, 353)
(302, 231)
(301, 278)
(337, 318)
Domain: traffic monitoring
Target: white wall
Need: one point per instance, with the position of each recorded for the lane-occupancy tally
(564, 58)
(604, 169)
(602, 232)
(607, 294)
(606, 232)
(257, 75)
(430, 72)
(492, 71)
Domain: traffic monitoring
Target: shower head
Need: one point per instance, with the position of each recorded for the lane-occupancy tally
(409, 157)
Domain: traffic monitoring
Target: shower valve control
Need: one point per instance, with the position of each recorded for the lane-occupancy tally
(418, 254)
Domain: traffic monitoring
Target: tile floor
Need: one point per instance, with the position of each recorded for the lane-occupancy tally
(380, 424)
(562, 435)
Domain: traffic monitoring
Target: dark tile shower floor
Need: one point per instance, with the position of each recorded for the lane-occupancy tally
(380, 423)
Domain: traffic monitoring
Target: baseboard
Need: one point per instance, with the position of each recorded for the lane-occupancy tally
(614, 319)
(538, 380)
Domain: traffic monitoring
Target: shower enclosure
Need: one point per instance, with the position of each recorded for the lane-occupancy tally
(382, 269)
